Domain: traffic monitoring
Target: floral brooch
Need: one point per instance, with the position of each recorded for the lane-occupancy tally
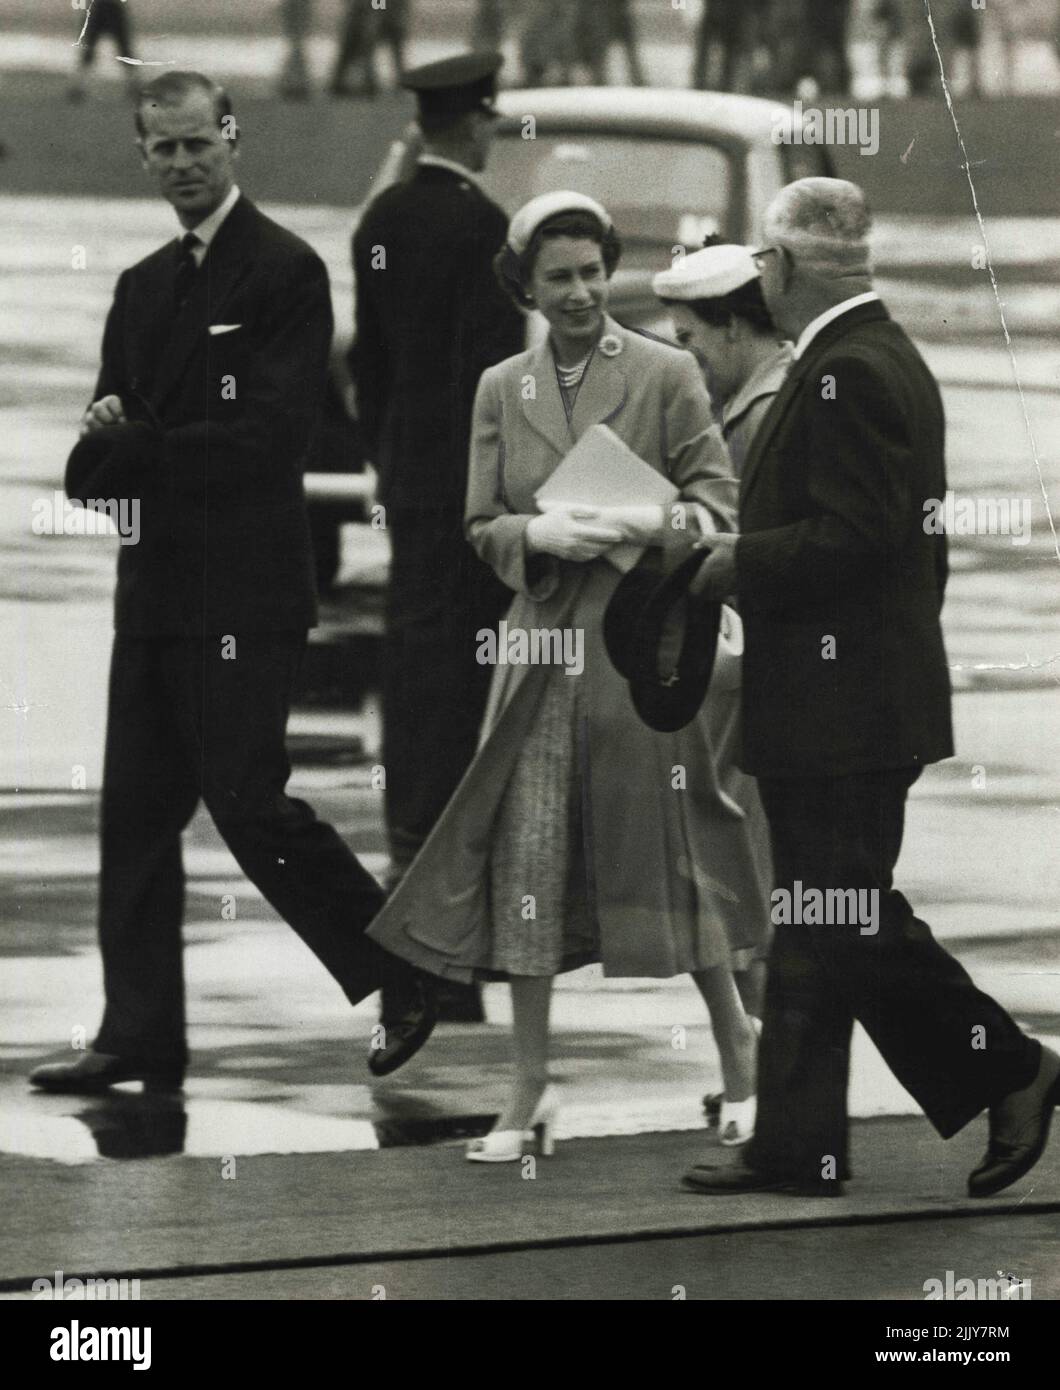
(610, 345)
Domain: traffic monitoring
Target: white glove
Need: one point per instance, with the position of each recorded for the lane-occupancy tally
(639, 525)
(572, 533)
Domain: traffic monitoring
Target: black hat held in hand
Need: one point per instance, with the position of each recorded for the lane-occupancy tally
(662, 641)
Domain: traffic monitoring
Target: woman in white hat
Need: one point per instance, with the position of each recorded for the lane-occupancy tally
(718, 313)
(578, 833)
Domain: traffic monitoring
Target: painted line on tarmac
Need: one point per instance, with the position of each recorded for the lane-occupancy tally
(641, 1235)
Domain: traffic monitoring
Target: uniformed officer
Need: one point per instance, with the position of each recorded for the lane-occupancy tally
(430, 318)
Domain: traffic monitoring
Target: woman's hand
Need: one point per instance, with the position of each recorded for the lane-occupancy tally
(571, 533)
(638, 525)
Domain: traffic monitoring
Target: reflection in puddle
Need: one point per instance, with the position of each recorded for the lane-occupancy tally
(130, 1126)
(126, 1124)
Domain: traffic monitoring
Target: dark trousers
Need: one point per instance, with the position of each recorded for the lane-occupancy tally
(185, 723)
(363, 27)
(916, 1002)
(827, 23)
(724, 28)
(434, 690)
(106, 18)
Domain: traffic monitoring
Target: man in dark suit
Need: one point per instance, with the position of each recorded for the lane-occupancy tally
(846, 698)
(430, 318)
(214, 360)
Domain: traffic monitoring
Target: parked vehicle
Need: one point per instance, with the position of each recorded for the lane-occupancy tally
(671, 166)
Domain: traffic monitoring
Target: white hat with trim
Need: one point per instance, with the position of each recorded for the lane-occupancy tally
(708, 274)
(538, 210)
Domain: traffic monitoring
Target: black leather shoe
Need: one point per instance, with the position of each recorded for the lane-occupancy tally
(735, 1179)
(95, 1071)
(1019, 1131)
(405, 1035)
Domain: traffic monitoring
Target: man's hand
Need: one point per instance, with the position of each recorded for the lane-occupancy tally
(108, 411)
(716, 578)
(570, 534)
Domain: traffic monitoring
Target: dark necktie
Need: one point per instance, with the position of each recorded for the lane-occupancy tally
(186, 269)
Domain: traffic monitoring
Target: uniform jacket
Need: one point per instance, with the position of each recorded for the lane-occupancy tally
(840, 587)
(430, 318)
(225, 401)
(661, 861)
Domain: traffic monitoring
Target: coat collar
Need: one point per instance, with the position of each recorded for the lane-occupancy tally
(208, 228)
(766, 380)
(601, 396)
(801, 368)
(459, 171)
(225, 264)
(821, 322)
(846, 322)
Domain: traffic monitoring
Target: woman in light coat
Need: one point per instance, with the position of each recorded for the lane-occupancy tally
(578, 833)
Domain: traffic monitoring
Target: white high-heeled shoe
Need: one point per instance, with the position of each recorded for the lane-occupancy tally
(510, 1145)
(737, 1121)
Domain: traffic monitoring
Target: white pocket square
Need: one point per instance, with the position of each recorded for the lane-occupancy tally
(216, 328)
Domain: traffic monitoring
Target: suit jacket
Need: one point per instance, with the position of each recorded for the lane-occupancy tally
(224, 401)
(429, 321)
(833, 546)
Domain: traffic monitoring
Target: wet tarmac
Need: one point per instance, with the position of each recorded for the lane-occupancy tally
(278, 1056)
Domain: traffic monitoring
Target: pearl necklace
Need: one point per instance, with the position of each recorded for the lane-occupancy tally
(571, 376)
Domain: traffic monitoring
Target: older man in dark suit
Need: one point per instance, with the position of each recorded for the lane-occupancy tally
(846, 699)
(430, 318)
(214, 359)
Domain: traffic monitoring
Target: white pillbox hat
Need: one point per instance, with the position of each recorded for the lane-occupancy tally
(708, 274)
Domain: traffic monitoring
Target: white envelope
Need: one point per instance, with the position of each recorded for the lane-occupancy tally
(601, 470)
(216, 328)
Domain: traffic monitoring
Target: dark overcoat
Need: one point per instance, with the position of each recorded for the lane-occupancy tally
(430, 318)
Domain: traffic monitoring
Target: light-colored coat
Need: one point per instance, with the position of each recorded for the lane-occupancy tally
(744, 412)
(676, 842)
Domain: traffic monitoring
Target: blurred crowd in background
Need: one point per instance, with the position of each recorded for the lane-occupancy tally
(757, 46)
(763, 47)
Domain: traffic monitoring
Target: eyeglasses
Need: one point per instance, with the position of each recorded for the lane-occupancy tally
(759, 256)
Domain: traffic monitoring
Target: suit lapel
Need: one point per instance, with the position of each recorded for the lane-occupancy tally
(604, 388)
(224, 266)
(801, 370)
(602, 394)
(544, 409)
(152, 326)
